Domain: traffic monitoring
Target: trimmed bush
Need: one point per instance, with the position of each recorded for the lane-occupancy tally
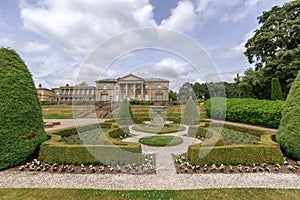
(191, 114)
(264, 151)
(253, 111)
(168, 128)
(276, 93)
(21, 123)
(288, 135)
(124, 115)
(111, 151)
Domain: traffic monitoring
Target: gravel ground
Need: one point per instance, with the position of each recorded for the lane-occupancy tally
(165, 178)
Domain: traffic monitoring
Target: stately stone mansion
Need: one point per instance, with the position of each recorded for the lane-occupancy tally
(128, 87)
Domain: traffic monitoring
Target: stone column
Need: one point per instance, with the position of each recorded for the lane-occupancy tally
(134, 91)
(126, 91)
(142, 92)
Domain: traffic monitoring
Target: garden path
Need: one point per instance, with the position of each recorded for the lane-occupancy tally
(165, 178)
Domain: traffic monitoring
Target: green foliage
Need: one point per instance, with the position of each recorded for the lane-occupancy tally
(253, 111)
(168, 128)
(124, 115)
(276, 93)
(275, 47)
(21, 123)
(191, 114)
(172, 96)
(264, 151)
(111, 151)
(245, 90)
(288, 135)
(161, 141)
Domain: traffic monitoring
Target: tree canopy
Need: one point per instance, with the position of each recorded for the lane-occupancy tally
(275, 47)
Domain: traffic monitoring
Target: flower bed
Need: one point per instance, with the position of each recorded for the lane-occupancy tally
(264, 151)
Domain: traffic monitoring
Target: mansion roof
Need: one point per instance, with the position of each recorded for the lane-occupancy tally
(131, 77)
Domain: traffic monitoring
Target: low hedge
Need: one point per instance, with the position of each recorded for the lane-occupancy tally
(74, 130)
(253, 111)
(111, 151)
(264, 151)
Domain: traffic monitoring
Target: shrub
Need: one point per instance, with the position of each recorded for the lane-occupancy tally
(276, 93)
(111, 151)
(191, 114)
(124, 115)
(21, 123)
(288, 135)
(253, 111)
(246, 90)
(263, 151)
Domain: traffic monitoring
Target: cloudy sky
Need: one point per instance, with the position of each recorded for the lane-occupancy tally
(57, 38)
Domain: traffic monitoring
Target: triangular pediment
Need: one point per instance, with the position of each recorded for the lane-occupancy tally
(130, 77)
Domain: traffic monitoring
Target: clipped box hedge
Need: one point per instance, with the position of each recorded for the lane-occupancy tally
(264, 151)
(259, 112)
(110, 151)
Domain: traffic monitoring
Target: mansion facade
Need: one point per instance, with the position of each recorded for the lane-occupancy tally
(129, 87)
(132, 87)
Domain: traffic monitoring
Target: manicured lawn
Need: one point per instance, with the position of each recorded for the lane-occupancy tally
(161, 141)
(227, 194)
(170, 128)
(62, 111)
(143, 111)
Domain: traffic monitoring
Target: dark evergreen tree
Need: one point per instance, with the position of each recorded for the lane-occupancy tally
(276, 93)
(21, 123)
(191, 114)
(288, 135)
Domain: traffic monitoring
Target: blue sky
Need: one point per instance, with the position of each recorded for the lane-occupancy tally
(55, 37)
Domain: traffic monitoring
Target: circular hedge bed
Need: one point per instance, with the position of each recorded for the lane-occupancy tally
(169, 128)
(161, 141)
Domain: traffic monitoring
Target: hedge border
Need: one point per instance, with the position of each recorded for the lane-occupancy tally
(55, 151)
(264, 151)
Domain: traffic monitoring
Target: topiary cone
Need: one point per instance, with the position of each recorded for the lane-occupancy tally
(288, 135)
(21, 123)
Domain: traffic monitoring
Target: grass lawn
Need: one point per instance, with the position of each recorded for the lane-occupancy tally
(161, 141)
(62, 111)
(143, 111)
(170, 128)
(227, 194)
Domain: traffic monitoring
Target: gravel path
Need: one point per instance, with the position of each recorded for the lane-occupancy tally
(165, 178)
(159, 181)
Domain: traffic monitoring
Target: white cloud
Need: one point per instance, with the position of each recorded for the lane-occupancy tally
(238, 50)
(182, 17)
(6, 42)
(233, 10)
(79, 25)
(35, 48)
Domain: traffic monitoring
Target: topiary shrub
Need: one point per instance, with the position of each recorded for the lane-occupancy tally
(124, 114)
(276, 93)
(288, 135)
(191, 114)
(21, 123)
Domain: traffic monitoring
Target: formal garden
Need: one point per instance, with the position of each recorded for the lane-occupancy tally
(252, 133)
